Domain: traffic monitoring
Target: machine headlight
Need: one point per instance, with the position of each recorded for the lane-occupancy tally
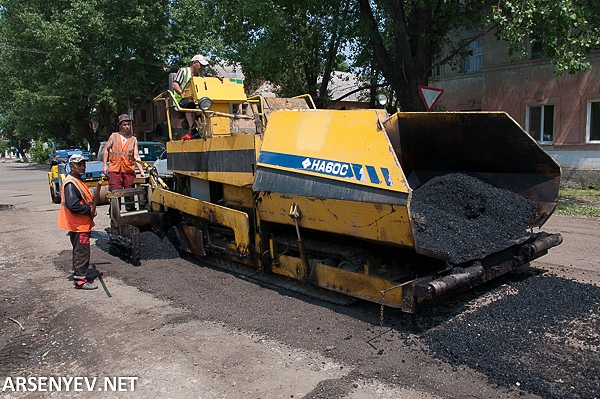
(204, 103)
(381, 99)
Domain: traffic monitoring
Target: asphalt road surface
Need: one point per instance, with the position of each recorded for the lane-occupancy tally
(180, 328)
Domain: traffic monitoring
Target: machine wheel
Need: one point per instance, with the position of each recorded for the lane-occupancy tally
(54, 193)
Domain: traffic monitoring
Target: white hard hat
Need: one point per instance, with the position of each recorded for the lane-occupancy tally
(200, 59)
(76, 158)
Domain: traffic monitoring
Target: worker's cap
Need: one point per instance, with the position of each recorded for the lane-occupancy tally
(200, 59)
(76, 158)
(124, 118)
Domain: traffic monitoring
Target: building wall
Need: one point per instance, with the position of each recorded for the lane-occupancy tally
(153, 126)
(533, 83)
(461, 93)
(502, 85)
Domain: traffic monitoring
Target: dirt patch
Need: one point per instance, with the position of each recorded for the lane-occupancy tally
(579, 202)
(41, 332)
(188, 329)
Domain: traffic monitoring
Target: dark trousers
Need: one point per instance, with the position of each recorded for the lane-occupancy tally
(81, 252)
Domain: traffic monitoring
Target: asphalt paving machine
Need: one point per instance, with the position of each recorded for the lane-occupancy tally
(324, 196)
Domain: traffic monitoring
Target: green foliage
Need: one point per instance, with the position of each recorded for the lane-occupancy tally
(295, 45)
(578, 210)
(569, 29)
(401, 40)
(194, 28)
(67, 66)
(40, 152)
(580, 193)
(579, 201)
(4, 145)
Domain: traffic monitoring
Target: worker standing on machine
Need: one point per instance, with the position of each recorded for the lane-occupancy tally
(119, 157)
(181, 78)
(77, 217)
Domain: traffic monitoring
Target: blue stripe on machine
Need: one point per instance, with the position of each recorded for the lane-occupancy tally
(322, 166)
(373, 175)
(359, 172)
(325, 167)
(386, 176)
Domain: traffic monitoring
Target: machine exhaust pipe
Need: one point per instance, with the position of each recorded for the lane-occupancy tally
(453, 281)
(477, 274)
(540, 245)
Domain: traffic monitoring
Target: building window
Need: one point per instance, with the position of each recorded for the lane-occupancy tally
(473, 56)
(536, 49)
(437, 68)
(593, 121)
(143, 116)
(540, 122)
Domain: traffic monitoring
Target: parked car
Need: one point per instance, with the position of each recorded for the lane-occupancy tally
(62, 156)
(150, 150)
(161, 165)
(60, 167)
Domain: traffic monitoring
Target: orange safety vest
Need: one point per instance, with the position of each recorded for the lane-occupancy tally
(120, 156)
(67, 220)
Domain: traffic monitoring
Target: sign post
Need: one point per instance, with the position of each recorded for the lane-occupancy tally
(430, 96)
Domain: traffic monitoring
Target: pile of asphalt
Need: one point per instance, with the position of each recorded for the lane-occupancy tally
(467, 218)
(542, 338)
(154, 247)
(151, 246)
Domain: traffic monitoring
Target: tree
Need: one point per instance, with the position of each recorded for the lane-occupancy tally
(568, 29)
(194, 27)
(295, 45)
(69, 66)
(407, 36)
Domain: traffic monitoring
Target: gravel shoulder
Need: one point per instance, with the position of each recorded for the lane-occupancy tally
(186, 329)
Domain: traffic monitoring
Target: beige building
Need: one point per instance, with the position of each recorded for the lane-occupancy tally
(561, 113)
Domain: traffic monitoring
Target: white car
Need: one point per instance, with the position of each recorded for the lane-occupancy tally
(161, 165)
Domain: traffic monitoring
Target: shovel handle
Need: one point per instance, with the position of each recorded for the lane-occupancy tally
(96, 197)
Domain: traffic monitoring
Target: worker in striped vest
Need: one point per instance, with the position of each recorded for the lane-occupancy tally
(181, 79)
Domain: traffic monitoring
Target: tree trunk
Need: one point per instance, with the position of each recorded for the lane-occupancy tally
(401, 68)
(408, 95)
(22, 153)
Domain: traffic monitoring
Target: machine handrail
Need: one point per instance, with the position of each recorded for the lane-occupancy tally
(309, 97)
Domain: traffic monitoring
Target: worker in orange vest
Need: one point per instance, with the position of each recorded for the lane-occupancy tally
(119, 157)
(75, 216)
